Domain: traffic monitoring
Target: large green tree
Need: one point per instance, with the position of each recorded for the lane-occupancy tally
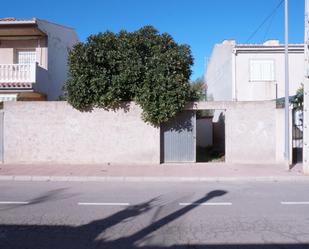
(142, 66)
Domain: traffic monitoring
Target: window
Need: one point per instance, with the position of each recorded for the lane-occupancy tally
(26, 56)
(262, 70)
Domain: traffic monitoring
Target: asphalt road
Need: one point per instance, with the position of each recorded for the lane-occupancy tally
(62, 215)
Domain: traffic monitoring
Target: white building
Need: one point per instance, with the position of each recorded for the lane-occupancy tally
(33, 57)
(253, 72)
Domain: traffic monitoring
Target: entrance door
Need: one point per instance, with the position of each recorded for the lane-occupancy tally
(178, 138)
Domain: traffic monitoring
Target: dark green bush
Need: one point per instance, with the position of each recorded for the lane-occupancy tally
(142, 66)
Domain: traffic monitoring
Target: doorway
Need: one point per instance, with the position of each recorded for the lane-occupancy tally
(210, 136)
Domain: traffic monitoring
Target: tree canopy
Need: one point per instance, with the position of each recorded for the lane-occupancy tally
(144, 66)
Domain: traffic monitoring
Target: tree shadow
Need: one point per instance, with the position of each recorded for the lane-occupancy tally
(52, 195)
(183, 121)
(87, 236)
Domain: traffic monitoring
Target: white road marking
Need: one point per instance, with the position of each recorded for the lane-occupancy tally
(103, 204)
(13, 202)
(295, 202)
(205, 204)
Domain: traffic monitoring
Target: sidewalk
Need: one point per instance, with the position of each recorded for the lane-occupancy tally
(163, 172)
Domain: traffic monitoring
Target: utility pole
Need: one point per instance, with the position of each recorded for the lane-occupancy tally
(306, 92)
(286, 102)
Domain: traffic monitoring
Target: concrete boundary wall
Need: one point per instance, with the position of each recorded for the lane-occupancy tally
(54, 132)
(253, 132)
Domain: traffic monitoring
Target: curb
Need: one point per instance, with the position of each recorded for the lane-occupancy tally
(150, 179)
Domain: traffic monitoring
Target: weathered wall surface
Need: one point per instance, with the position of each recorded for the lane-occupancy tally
(53, 132)
(250, 132)
(280, 135)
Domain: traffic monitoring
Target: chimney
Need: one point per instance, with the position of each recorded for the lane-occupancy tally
(229, 42)
(271, 43)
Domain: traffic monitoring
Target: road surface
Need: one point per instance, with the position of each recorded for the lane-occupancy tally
(86, 215)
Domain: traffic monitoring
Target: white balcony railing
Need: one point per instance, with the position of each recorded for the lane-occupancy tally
(18, 73)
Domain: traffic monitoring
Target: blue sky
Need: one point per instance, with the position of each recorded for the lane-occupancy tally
(198, 23)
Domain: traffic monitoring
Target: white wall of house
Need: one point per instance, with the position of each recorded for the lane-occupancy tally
(231, 76)
(9, 49)
(60, 41)
(219, 73)
(250, 88)
(6, 55)
(51, 54)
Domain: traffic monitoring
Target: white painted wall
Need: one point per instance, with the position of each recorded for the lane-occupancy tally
(251, 91)
(8, 50)
(219, 73)
(61, 39)
(228, 72)
(6, 55)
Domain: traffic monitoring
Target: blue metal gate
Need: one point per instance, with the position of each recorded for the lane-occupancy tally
(178, 138)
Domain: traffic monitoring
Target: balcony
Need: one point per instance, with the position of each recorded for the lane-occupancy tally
(17, 75)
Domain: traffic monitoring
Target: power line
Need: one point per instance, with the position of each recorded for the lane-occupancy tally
(264, 21)
(269, 26)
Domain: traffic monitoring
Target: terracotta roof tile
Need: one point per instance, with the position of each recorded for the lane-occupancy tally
(13, 19)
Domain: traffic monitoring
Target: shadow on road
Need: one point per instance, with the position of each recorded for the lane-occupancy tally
(52, 195)
(86, 236)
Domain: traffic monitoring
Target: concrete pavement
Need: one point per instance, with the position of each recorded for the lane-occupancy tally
(90, 215)
(163, 172)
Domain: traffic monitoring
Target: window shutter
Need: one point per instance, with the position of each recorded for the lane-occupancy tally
(262, 70)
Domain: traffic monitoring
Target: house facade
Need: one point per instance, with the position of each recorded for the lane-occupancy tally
(33, 58)
(256, 72)
(253, 72)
